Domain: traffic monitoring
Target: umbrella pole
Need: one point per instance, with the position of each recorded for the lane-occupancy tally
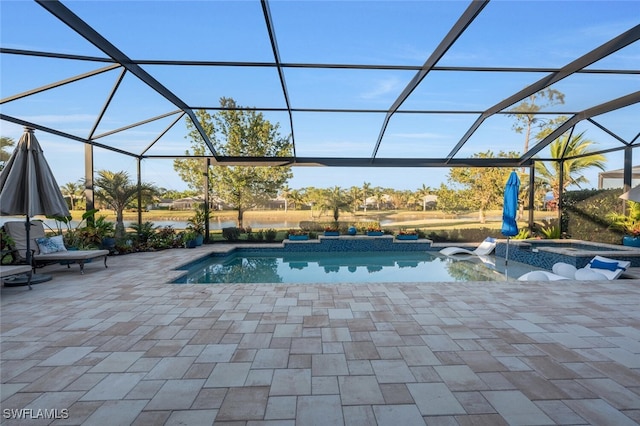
(35, 278)
(28, 232)
(506, 257)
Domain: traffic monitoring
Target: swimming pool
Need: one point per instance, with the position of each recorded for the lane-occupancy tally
(344, 267)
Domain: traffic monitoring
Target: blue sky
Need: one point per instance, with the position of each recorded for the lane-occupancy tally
(506, 34)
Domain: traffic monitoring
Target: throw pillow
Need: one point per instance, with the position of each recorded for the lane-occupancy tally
(50, 245)
(599, 264)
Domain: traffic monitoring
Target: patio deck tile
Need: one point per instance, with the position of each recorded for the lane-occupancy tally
(123, 346)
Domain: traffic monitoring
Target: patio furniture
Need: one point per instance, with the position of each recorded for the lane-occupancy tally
(48, 250)
(485, 248)
(598, 268)
(16, 271)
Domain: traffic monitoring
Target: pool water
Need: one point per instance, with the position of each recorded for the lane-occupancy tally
(341, 267)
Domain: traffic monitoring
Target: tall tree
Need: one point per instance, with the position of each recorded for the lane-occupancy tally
(354, 197)
(285, 194)
(485, 184)
(117, 191)
(297, 197)
(379, 196)
(574, 168)
(451, 200)
(6, 143)
(237, 132)
(527, 117)
(366, 186)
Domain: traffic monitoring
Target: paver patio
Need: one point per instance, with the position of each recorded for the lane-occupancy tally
(122, 346)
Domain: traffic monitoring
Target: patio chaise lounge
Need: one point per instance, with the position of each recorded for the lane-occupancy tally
(598, 268)
(485, 248)
(7, 271)
(48, 250)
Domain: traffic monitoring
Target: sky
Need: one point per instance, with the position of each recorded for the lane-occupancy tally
(545, 34)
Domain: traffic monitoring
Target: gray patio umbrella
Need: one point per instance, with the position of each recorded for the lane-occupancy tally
(632, 195)
(28, 187)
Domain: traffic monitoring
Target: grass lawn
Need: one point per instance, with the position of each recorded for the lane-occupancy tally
(391, 219)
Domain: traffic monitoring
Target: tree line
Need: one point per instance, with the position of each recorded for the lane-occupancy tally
(237, 132)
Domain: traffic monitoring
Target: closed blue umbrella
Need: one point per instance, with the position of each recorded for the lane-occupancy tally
(510, 209)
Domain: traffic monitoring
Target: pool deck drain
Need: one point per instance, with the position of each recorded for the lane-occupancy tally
(122, 346)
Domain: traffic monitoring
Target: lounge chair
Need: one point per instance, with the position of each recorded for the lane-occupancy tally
(7, 271)
(485, 248)
(598, 268)
(48, 250)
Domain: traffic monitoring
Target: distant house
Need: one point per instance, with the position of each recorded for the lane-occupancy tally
(188, 203)
(191, 203)
(615, 178)
(163, 203)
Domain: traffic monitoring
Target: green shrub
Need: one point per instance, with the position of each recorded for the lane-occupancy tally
(143, 231)
(231, 233)
(309, 225)
(523, 234)
(270, 235)
(585, 213)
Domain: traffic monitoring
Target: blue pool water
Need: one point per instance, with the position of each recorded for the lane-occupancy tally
(342, 267)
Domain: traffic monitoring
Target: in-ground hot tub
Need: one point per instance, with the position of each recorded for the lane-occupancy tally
(545, 253)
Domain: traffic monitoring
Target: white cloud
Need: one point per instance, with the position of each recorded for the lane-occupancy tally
(382, 88)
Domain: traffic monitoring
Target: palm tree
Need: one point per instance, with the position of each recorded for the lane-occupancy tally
(378, 195)
(422, 194)
(573, 167)
(296, 197)
(285, 193)
(5, 143)
(117, 191)
(73, 190)
(365, 190)
(354, 197)
(335, 200)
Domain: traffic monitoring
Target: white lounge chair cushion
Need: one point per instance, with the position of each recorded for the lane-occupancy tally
(542, 276)
(564, 269)
(588, 274)
(8, 270)
(536, 276)
(610, 268)
(485, 248)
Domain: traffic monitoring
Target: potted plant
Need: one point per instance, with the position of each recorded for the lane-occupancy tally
(407, 235)
(298, 234)
(197, 222)
(628, 224)
(189, 239)
(105, 230)
(374, 231)
(331, 231)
